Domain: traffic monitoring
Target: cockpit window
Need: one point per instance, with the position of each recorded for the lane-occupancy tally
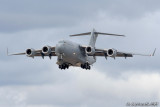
(61, 41)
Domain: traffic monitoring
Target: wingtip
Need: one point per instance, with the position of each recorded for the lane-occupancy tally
(154, 52)
(7, 52)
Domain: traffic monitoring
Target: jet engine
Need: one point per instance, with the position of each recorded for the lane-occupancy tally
(30, 52)
(90, 50)
(46, 50)
(112, 52)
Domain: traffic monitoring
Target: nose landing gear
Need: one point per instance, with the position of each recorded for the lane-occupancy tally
(63, 66)
(83, 66)
(86, 66)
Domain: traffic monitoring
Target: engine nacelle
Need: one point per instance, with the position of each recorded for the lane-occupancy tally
(90, 50)
(46, 50)
(30, 52)
(112, 52)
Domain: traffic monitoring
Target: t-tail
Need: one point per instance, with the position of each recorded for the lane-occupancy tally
(94, 36)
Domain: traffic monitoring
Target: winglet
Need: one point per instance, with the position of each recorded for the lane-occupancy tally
(154, 52)
(7, 52)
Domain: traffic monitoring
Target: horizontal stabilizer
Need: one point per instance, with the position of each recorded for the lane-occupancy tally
(108, 34)
(89, 33)
(94, 36)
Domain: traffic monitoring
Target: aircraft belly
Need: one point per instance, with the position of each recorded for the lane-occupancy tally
(72, 55)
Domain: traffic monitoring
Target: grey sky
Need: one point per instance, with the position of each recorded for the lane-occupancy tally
(25, 82)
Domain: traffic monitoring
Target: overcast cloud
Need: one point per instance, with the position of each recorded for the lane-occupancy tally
(25, 82)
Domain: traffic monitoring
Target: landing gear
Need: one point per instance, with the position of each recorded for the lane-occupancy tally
(63, 66)
(86, 66)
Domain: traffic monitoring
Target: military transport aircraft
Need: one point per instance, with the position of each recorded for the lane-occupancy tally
(74, 54)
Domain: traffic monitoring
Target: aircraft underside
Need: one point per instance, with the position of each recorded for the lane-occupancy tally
(64, 61)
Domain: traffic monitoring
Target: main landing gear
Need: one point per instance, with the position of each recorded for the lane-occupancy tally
(63, 66)
(85, 66)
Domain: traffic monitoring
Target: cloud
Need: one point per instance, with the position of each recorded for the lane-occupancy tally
(26, 82)
(27, 15)
(11, 97)
(87, 88)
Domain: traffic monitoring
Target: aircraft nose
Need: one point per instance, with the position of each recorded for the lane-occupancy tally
(60, 48)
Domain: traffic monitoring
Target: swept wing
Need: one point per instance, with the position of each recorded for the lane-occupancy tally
(35, 53)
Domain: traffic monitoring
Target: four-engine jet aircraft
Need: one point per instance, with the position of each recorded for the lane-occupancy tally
(74, 54)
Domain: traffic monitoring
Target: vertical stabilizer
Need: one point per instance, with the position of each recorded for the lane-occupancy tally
(93, 38)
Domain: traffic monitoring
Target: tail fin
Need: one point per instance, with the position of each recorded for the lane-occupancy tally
(93, 38)
(94, 35)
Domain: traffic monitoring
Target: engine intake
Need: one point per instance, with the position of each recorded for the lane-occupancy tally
(112, 52)
(46, 50)
(90, 50)
(30, 52)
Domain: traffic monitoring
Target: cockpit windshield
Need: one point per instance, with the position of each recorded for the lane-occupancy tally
(61, 41)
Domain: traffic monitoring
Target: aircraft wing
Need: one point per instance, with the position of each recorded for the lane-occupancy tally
(35, 53)
(103, 52)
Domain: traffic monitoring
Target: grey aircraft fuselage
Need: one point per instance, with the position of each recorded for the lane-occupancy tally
(71, 53)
